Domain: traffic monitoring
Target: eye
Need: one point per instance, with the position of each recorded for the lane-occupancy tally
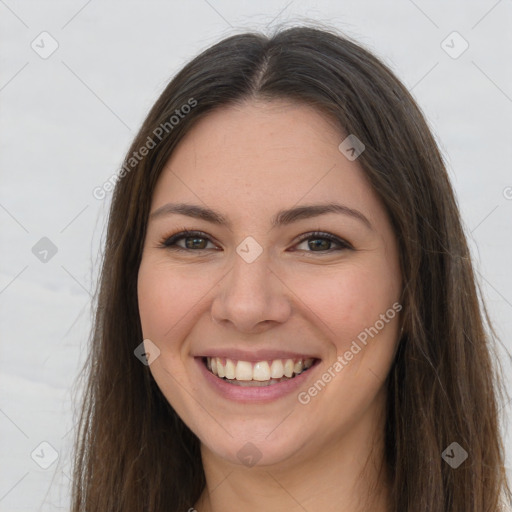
(318, 241)
(195, 241)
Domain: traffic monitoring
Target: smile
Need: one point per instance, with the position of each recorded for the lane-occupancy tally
(257, 374)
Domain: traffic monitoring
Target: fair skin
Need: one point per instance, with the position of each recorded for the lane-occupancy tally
(309, 299)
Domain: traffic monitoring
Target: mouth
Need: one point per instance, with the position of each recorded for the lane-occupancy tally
(257, 374)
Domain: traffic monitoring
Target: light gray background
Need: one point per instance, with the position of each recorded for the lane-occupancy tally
(66, 122)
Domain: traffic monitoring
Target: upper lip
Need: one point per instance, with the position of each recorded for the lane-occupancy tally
(254, 356)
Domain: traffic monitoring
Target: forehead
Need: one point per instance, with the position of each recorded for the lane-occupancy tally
(261, 156)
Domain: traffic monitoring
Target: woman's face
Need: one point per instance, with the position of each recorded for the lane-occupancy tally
(259, 293)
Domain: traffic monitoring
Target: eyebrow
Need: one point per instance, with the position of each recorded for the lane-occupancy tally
(282, 218)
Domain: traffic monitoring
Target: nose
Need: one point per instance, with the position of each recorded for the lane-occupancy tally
(251, 297)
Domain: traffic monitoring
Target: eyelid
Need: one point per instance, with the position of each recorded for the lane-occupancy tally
(169, 241)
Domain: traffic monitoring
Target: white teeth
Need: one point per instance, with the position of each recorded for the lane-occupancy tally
(288, 368)
(220, 368)
(243, 370)
(268, 372)
(230, 369)
(255, 383)
(261, 371)
(276, 369)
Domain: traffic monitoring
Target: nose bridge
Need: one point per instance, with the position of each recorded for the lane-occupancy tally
(250, 273)
(250, 293)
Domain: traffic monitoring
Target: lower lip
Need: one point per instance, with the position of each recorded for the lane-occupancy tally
(254, 393)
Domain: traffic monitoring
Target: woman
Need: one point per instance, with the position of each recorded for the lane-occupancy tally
(287, 316)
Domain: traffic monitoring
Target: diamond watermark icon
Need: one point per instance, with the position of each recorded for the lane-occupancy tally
(45, 45)
(146, 352)
(44, 250)
(454, 455)
(249, 249)
(44, 455)
(454, 45)
(249, 454)
(351, 147)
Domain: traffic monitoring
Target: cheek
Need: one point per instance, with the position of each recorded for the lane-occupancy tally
(153, 295)
(350, 300)
(360, 307)
(167, 298)
(163, 308)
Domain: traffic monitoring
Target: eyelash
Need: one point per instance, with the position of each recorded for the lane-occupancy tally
(169, 241)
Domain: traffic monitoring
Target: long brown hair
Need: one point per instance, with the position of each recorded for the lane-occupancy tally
(133, 453)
